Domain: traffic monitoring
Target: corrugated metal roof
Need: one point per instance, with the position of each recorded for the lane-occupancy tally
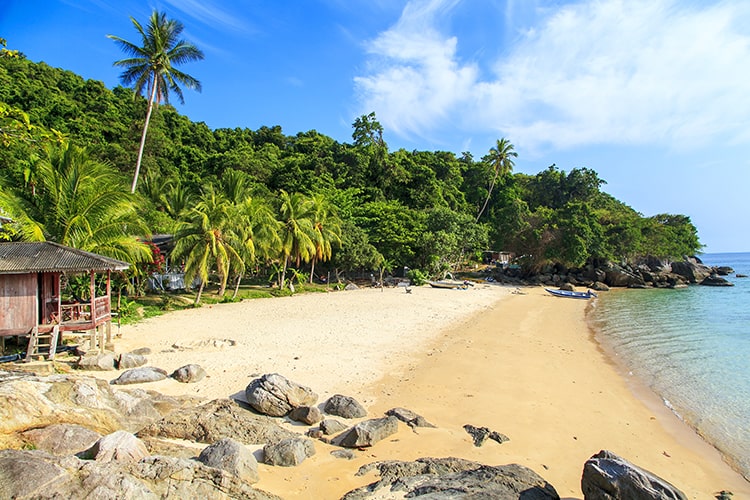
(18, 257)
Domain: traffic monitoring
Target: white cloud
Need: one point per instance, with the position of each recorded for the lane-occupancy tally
(594, 72)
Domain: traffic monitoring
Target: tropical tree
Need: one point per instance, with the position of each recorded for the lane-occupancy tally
(79, 202)
(151, 67)
(296, 232)
(206, 239)
(326, 230)
(500, 159)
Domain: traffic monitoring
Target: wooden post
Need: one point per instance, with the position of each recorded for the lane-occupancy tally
(92, 299)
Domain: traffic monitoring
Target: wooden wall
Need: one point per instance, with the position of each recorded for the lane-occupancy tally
(18, 303)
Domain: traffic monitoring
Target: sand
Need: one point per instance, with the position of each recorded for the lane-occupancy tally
(523, 364)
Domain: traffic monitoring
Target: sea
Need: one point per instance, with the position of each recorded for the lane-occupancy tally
(692, 348)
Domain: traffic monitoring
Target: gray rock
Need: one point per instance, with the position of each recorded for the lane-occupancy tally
(276, 396)
(128, 360)
(189, 374)
(607, 476)
(409, 417)
(218, 419)
(288, 452)
(715, 280)
(481, 434)
(233, 457)
(141, 351)
(344, 406)
(332, 426)
(62, 439)
(438, 478)
(31, 464)
(140, 375)
(120, 446)
(306, 414)
(345, 454)
(368, 432)
(692, 270)
(351, 286)
(104, 361)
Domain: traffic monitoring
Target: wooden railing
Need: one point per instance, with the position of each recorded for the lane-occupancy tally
(80, 312)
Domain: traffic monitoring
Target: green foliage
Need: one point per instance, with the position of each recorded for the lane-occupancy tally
(417, 277)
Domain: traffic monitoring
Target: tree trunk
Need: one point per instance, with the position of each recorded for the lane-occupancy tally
(198, 295)
(143, 138)
(237, 286)
(489, 194)
(312, 270)
(223, 286)
(283, 273)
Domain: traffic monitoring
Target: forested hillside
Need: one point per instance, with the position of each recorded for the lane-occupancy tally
(240, 199)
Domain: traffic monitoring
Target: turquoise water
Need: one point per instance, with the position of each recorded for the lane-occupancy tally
(692, 347)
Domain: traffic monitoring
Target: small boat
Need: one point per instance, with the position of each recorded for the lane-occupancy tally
(449, 284)
(572, 295)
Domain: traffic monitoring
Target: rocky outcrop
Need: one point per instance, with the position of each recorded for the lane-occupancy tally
(150, 478)
(481, 434)
(410, 418)
(368, 433)
(288, 452)
(97, 361)
(120, 446)
(344, 406)
(61, 439)
(128, 360)
(306, 414)
(607, 476)
(218, 419)
(274, 395)
(715, 280)
(452, 478)
(233, 457)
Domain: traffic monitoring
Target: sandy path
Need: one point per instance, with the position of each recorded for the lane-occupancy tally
(524, 365)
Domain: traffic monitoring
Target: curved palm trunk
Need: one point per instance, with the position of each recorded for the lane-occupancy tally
(489, 195)
(237, 287)
(312, 270)
(283, 272)
(143, 139)
(200, 292)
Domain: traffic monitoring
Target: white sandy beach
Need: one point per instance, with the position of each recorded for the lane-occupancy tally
(525, 365)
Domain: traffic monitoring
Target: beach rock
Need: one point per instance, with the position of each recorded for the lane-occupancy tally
(723, 270)
(61, 439)
(189, 374)
(738, 275)
(368, 433)
(332, 426)
(351, 286)
(141, 351)
(129, 360)
(288, 452)
(345, 454)
(233, 457)
(481, 434)
(344, 406)
(618, 276)
(410, 418)
(151, 478)
(120, 446)
(276, 396)
(567, 287)
(218, 419)
(140, 375)
(691, 269)
(598, 286)
(715, 280)
(452, 478)
(100, 361)
(607, 476)
(306, 414)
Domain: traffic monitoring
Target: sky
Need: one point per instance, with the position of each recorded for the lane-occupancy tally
(654, 95)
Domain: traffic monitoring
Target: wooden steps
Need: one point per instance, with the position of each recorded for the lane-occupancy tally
(42, 343)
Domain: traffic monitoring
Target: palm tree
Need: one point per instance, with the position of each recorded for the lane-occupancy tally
(79, 202)
(500, 158)
(207, 239)
(326, 230)
(296, 232)
(151, 68)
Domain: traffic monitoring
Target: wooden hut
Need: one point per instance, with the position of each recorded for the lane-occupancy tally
(30, 299)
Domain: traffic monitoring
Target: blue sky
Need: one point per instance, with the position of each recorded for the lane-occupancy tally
(654, 95)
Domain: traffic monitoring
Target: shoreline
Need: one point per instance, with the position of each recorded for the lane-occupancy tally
(526, 365)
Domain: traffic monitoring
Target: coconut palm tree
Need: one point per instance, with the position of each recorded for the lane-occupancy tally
(296, 232)
(500, 158)
(151, 67)
(326, 230)
(79, 202)
(207, 239)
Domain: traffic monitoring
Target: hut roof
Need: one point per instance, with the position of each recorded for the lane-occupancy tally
(19, 258)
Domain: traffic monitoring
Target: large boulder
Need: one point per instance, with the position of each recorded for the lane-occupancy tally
(344, 406)
(607, 476)
(97, 361)
(715, 280)
(452, 478)
(306, 414)
(218, 419)
(288, 452)
(128, 360)
(368, 433)
(275, 395)
(61, 439)
(189, 374)
(410, 418)
(120, 446)
(140, 375)
(151, 478)
(231, 456)
(618, 276)
(691, 269)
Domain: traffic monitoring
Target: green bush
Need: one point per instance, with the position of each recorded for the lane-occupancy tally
(417, 277)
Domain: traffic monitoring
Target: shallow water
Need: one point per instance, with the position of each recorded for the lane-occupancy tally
(692, 347)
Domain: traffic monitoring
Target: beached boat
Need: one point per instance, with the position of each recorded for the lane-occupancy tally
(572, 295)
(449, 284)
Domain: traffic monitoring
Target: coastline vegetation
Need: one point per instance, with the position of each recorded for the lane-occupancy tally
(262, 205)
